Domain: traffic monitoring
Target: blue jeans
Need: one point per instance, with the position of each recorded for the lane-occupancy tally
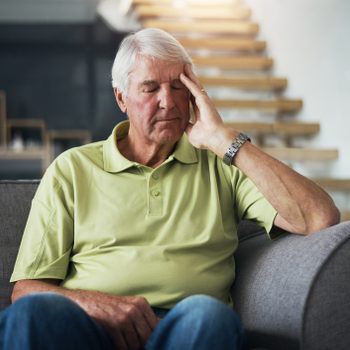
(50, 321)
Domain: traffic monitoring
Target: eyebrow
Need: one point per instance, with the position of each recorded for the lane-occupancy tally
(148, 83)
(154, 82)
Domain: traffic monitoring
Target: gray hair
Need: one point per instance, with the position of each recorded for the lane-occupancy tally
(151, 42)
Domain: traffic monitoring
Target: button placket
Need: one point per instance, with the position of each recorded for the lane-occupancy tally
(155, 195)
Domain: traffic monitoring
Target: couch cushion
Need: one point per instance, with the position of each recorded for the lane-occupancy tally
(15, 200)
(248, 229)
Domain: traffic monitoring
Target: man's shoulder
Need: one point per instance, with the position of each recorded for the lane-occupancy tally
(77, 159)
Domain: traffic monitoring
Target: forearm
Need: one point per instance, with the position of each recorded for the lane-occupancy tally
(25, 287)
(128, 319)
(302, 206)
(84, 298)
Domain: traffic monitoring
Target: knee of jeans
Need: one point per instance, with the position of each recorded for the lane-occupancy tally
(209, 309)
(46, 303)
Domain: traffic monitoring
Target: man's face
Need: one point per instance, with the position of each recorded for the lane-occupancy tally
(157, 103)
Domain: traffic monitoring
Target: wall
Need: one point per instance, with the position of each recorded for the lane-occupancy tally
(30, 11)
(310, 42)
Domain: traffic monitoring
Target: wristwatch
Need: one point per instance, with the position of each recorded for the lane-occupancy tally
(234, 148)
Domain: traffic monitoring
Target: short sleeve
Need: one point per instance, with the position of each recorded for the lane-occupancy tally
(251, 204)
(48, 236)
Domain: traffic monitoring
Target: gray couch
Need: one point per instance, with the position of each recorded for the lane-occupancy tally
(291, 293)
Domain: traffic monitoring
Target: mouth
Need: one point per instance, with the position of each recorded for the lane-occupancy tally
(167, 120)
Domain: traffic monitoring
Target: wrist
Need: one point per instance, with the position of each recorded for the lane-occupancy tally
(234, 148)
(221, 140)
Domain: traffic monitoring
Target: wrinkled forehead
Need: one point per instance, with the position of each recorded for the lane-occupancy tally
(148, 68)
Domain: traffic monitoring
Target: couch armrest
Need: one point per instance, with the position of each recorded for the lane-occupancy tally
(294, 292)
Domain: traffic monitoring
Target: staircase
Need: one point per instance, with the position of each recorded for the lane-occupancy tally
(236, 71)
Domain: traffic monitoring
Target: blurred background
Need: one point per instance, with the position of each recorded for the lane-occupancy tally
(277, 69)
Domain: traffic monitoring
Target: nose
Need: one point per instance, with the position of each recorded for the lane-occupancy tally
(166, 98)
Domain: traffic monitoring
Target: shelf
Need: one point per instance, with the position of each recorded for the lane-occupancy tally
(22, 134)
(39, 153)
(60, 140)
(82, 135)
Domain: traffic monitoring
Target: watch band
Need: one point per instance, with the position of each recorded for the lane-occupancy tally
(234, 148)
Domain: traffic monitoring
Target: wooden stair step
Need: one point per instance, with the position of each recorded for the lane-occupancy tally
(333, 184)
(246, 83)
(277, 128)
(234, 62)
(194, 11)
(205, 26)
(212, 4)
(344, 215)
(237, 44)
(302, 154)
(279, 105)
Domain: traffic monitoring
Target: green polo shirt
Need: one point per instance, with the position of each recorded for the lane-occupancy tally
(101, 222)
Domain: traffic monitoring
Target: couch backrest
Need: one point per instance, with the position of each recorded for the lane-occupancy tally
(15, 200)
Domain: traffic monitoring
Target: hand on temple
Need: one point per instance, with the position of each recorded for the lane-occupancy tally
(207, 130)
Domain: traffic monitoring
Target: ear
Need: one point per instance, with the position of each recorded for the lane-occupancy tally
(120, 100)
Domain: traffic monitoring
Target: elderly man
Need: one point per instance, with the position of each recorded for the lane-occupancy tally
(129, 242)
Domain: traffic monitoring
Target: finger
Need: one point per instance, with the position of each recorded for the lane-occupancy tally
(143, 319)
(147, 312)
(194, 106)
(142, 326)
(118, 339)
(142, 330)
(195, 90)
(133, 338)
(190, 73)
(189, 128)
(151, 318)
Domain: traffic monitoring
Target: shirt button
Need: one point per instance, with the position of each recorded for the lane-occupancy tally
(156, 193)
(155, 176)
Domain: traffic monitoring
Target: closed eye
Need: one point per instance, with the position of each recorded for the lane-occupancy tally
(150, 90)
(177, 85)
(149, 86)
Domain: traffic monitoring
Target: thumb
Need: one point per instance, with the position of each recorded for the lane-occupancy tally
(189, 128)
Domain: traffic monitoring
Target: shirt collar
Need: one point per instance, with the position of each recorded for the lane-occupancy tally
(115, 162)
(185, 152)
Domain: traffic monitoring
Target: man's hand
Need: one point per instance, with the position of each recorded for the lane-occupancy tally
(207, 130)
(302, 206)
(128, 320)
